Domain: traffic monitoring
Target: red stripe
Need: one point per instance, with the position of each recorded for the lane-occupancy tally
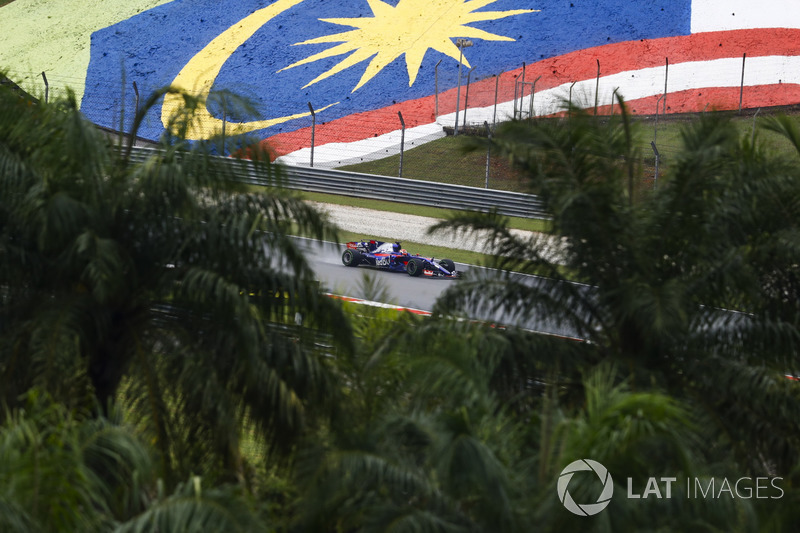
(715, 98)
(575, 66)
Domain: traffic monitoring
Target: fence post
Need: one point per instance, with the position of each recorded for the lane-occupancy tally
(313, 127)
(461, 44)
(613, 95)
(488, 152)
(46, 87)
(521, 92)
(570, 97)
(516, 89)
(533, 91)
(655, 151)
(466, 99)
(224, 123)
(136, 92)
(496, 90)
(655, 130)
(402, 141)
(741, 85)
(436, 89)
(666, 77)
(597, 87)
(122, 99)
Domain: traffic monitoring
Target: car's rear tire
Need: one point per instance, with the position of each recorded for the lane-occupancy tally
(414, 267)
(352, 258)
(448, 265)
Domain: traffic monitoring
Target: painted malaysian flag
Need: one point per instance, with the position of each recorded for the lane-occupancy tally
(360, 70)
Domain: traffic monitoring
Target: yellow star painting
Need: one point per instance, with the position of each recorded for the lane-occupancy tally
(410, 28)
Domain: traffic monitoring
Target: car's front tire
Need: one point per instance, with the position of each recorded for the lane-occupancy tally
(414, 267)
(448, 265)
(351, 258)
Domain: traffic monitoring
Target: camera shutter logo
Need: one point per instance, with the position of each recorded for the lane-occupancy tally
(585, 509)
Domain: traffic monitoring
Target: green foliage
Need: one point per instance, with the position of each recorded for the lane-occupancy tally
(435, 457)
(690, 289)
(68, 471)
(162, 290)
(65, 471)
(160, 274)
(195, 508)
(636, 435)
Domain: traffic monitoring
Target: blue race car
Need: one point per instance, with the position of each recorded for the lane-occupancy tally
(392, 256)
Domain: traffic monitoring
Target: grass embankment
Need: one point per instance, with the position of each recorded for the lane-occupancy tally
(445, 161)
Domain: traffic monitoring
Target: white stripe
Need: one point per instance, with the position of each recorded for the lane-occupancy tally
(632, 85)
(340, 154)
(691, 75)
(718, 15)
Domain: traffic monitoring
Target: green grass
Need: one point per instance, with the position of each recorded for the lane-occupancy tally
(444, 160)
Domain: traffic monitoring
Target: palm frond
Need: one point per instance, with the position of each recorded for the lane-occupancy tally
(191, 507)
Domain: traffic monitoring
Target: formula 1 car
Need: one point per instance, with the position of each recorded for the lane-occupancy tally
(392, 256)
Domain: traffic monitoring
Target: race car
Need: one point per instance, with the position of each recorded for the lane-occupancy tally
(392, 256)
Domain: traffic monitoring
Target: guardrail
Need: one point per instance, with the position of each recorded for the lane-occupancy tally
(419, 192)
